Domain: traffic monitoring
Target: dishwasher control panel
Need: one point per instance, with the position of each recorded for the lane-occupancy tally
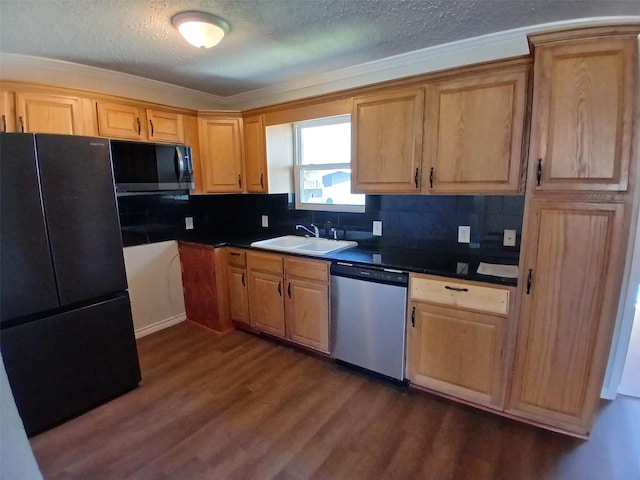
(389, 276)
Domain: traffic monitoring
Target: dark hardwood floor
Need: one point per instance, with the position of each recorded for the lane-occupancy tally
(241, 407)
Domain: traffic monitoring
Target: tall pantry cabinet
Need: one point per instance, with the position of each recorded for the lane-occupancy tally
(577, 215)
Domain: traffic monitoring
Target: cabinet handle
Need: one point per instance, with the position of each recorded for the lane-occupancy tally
(289, 290)
(455, 289)
(139, 125)
(151, 124)
(243, 284)
(539, 172)
(239, 181)
(413, 317)
(280, 288)
(235, 254)
(21, 124)
(431, 178)
(262, 180)
(4, 123)
(529, 281)
(415, 178)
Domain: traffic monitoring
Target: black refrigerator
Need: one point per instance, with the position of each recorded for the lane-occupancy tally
(66, 334)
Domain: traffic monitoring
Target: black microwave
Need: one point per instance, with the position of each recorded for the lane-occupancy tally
(149, 167)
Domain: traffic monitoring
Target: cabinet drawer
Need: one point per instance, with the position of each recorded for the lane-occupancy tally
(310, 269)
(264, 262)
(237, 258)
(463, 295)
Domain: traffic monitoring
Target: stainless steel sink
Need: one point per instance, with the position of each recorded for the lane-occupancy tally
(305, 245)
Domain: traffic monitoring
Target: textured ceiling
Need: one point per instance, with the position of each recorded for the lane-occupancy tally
(271, 41)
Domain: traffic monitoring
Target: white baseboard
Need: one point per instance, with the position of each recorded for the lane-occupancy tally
(161, 325)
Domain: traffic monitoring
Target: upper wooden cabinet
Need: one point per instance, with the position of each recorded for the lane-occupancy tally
(474, 133)
(49, 113)
(255, 154)
(165, 126)
(386, 141)
(571, 283)
(582, 113)
(221, 154)
(135, 122)
(119, 120)
(7, 112)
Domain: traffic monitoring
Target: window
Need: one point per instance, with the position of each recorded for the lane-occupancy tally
(323, 165)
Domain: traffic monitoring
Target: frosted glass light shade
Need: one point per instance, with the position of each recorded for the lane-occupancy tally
(200, 29)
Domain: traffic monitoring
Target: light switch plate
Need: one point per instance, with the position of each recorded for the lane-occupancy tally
(265, 221)
(509, 239)
(464, 234)
(377, 228)
(188, 223)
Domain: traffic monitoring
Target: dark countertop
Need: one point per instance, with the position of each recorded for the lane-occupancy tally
(433, 258)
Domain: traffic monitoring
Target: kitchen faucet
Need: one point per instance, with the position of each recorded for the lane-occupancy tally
(315, 232)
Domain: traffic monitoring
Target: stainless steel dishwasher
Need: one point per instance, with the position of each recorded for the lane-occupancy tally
(368, 308)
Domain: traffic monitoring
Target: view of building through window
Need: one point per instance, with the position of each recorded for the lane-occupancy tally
(323, 165)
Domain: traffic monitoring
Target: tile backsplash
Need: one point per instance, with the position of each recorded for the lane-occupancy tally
(408, 220)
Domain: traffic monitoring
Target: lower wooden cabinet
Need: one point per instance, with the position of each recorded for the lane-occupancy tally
(289, 298)
(457, 338)
(573, 271)
(307, 302)
(238, 285)
(204, 285)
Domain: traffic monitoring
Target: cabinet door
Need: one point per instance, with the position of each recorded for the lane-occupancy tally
(307, 312)
(473, 133)
(572, 284)
(116, 120)
(457, 352)
(582, 115)
(165, 126)
(387, 142)
(255, 154)
(238, 299)
(266, 303)
(49, 113)
(7, 112)
(221, 154)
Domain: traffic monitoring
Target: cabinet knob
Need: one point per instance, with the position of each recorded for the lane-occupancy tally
(4, 123)
(21, 123)
(280, 288)
(262, 180)
(239, 181)
(415, 177)
(529, 281)
(289, 290)
(243, 284)
(151, 125)
(431, 178)
(139, 125)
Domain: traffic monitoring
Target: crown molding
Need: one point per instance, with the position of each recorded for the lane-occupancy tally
(494, 46)
(58, 73)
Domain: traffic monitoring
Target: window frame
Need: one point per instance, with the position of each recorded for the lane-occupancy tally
(299, 169)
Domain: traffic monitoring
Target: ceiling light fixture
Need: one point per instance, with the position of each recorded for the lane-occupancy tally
(200, 29)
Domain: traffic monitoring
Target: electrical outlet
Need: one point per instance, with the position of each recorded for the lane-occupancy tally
(377, 228)
(188, 223)
(509, 239)
(464, 234)
(265, 221)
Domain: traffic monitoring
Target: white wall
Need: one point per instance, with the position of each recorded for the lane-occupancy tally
(16, 457)
(155, 286)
